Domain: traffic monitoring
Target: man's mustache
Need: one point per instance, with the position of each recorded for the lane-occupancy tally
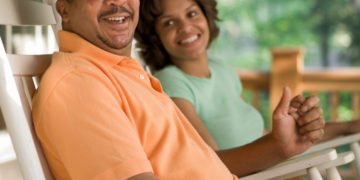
(116, 9)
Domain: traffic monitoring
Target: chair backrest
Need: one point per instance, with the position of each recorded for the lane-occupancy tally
(19, 76)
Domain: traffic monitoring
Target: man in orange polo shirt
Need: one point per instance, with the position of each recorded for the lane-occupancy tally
(99, 115)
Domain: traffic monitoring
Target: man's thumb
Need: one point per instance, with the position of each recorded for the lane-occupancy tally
(285, 100)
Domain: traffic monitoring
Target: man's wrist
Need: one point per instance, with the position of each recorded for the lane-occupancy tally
(350, 128)
(279, 147)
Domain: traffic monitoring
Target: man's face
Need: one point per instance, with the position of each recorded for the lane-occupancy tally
(108, 24)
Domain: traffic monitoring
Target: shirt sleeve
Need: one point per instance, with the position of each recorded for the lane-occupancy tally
(176, 85)
(85, 126)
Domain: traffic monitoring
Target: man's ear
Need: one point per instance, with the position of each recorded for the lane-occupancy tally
(62, 7)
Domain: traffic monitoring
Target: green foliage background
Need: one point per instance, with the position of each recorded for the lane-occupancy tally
(328, 30)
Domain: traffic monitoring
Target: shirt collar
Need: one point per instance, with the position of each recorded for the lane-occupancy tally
(73, 43)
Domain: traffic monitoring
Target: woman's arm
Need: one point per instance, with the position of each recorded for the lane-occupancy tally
(189, 111)
(290, 136)
(286, 139)
(144, 176)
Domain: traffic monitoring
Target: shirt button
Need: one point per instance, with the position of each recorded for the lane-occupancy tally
(141, 76)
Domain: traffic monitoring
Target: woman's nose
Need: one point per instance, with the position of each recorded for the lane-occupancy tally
(184, 26)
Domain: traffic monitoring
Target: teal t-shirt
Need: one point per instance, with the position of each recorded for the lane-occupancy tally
(231, 121)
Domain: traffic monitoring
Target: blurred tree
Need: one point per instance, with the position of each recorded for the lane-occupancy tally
(330, 18)
(327, 29)
(323, 27)
(251, 27)
(352, 23)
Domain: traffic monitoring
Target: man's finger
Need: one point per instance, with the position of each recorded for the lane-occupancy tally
(312, 115)
(295, 115)
(312, 126)
(284, 103)
(314, 136)
(297, 101)
(309, 103)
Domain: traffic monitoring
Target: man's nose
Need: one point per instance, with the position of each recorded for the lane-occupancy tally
(115, 2)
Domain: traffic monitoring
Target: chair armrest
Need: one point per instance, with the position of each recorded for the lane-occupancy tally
(294, 165)
(342, 158)
(335, 142)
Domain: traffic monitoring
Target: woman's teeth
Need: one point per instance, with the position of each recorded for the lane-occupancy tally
(190, 40)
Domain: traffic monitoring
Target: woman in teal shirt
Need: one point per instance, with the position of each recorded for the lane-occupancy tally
(173, 37)
(216, 100)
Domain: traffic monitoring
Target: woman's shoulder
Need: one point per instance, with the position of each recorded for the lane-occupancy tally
(170, 71)
(221, 67)
(219, 64)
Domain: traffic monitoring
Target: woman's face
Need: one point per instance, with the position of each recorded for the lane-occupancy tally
(183, 29)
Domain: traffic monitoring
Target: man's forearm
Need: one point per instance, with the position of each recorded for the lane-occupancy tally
(335, 129)
(253, 157)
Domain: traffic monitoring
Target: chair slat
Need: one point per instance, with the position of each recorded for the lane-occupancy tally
(28, 87)
(25, 12)
(16, 110)
(17, 115)
(29, 65)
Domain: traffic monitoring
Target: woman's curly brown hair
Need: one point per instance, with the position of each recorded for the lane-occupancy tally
(148, 42)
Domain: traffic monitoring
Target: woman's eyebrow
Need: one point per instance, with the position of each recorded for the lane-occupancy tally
(169, 15)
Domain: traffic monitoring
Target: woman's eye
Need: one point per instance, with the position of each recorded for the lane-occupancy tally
(169, 23)
(192, 14)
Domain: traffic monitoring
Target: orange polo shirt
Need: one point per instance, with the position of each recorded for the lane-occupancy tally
(101, 116)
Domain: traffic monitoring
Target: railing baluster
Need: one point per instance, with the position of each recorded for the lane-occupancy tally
(314, 93)
(256, 98)
(334, 104)
(355, 105)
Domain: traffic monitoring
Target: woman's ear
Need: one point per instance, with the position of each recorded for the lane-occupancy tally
(62, 7)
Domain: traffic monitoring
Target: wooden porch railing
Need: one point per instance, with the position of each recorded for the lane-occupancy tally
(287, 70)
